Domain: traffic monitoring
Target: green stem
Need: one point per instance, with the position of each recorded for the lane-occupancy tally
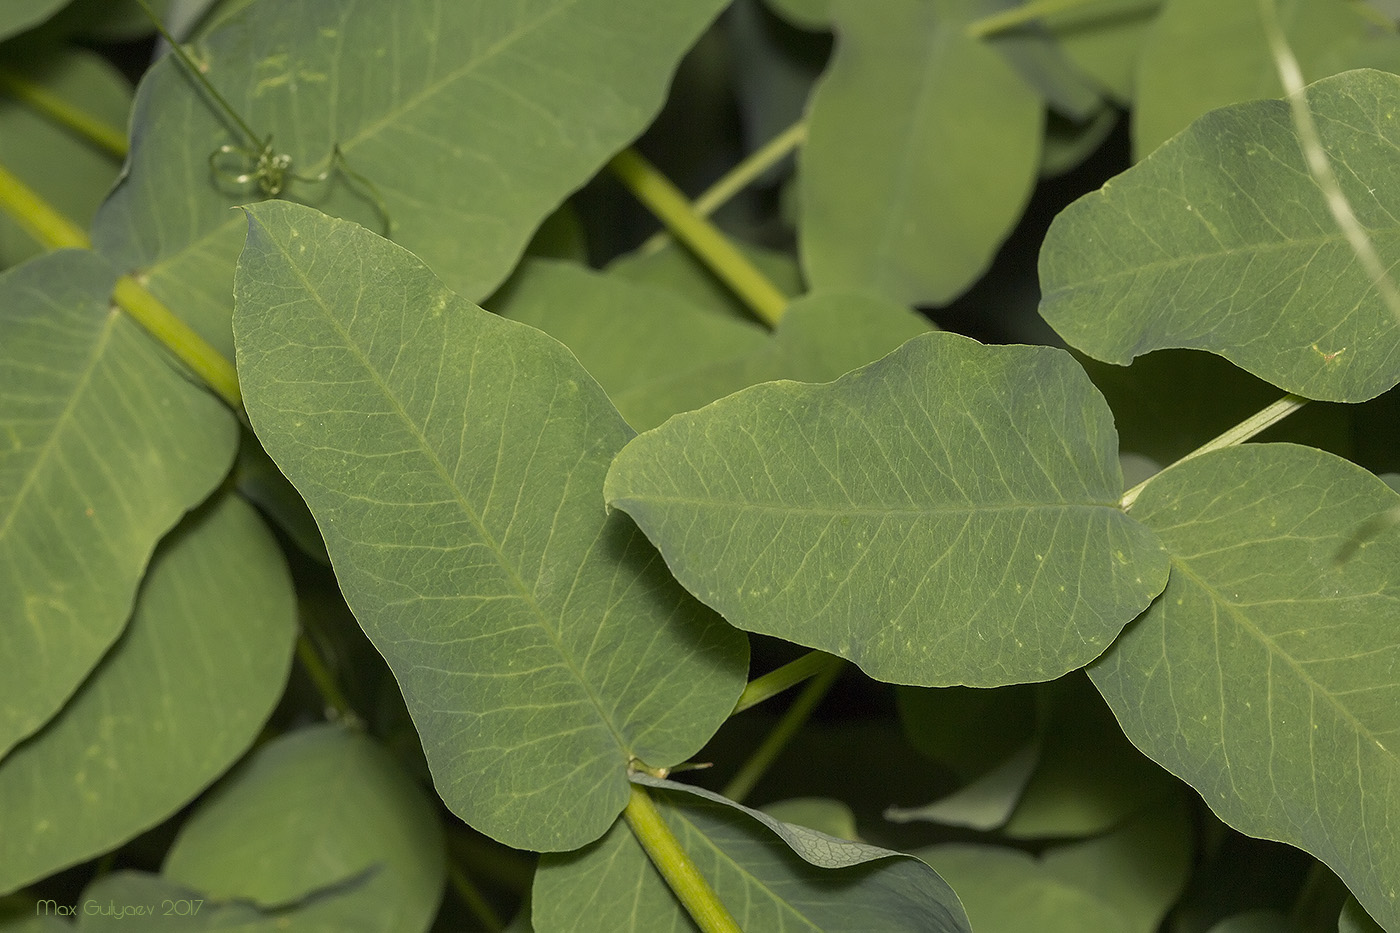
(321, 677)
(1030, 12)
(1240, 433)
(180, 339)
(789, 675)
(740, 177)
(665, 852)
(670, 206)
(476, 901)
(37, 217)
(797, 714)
(101, 134)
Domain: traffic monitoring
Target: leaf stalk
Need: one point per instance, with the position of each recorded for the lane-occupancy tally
(752, 771)
(789, 675)
(675, 865)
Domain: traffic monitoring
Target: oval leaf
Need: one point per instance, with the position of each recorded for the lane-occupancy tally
(176, 701)
(770, 875)
(326, 805)
(923, 148)
(1221, 241)
(1266, 674)
(103, 446)
(947, 515)
(454, 461)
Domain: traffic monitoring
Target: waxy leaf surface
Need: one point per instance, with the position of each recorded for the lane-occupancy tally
(472, 118)
(175, 702)
(1267, 674)
(104, 444)
(946, 515)
(455, 461)
(912, 197)
(772, 876)
(1221, 241)
(325, 805)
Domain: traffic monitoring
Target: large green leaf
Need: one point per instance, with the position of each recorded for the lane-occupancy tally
(656, 354)
(176, 701)
(103, 446)
(923, 148)
(771, 875)
(1266, 674)
(947, 515)
(1203, 54)
(473, 119)
(19, 15)
(66, 170)
(1121, 882)
(125, 900)
(315, 808)
(1220, 240)
(455, 463)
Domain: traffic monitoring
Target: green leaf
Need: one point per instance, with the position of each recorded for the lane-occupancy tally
(1122, 882)
(656, 354)
(1104, 42)
(1354, 919)
(984, 804)
(809, 14)
(912, 196)
(103, 446)
(1261, 920)
(1068, 144)
(771, 876)
(948, 724)
(176, 701)
(674, 267)
(1221, 241)
(454, 461)
(1265, 674)
(1202, 54)
(321, 806)
(70, 173)
(820, 813)
(112, 902)
(948, 515)
(18, 15)
(474, 120)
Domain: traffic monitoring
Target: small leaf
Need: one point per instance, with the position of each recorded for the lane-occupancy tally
(175, 702)
(454, 461)
(325, 805)
(1221, 241)
(770, 875)
(103, 446)
(912, 198)
(1265, 674)
(947, 515)
(984, 804)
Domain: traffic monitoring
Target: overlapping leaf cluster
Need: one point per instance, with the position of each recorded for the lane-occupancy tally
(563, 601)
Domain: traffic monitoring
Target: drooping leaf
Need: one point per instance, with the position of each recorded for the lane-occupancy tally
(472, 119)
(315, 808)
(454, 461)
(1265, 674)
(983, 804)
(1122, 882)
(1199, 55)
(103, 446)
(70, 173)
(912, 197)
(770, 875)
(947, 515)
(656, 354)
(176, 701)
(1221, 241)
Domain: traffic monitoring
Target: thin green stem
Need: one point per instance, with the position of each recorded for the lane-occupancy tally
(197, 73)
(322, 679)
(37, 217)
(100, 133)
(1030, 12)
(789, 675)
(670, 206)
(740, 177)
(742, 784)
(476, 901)
(675, 865)
(1240, 433)
(180, 339)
